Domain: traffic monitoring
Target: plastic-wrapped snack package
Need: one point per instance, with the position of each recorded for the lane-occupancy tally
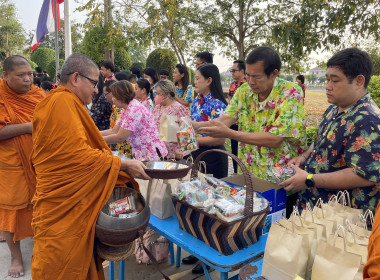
(194, 192)
(259, 202)
(280, 173)
(186, 136)
(214, 182)
(228, 207)
(122, 206)
(227, 191)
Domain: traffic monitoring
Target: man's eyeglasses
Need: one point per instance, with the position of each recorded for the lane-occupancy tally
(94, 82)
(234, 70)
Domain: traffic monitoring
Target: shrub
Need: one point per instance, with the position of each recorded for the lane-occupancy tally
(374, 89)
(32, 63)
(192, 75)
(123, 60)
(160, 59)
(43, 56)
(311, 131)
(51, 68)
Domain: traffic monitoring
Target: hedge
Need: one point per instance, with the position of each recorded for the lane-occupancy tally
(51, 68)
(311, 131)
(123, 59)
(43, 57)
(374, 89)
(161, 59)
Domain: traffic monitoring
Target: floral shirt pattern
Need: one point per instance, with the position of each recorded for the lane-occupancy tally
(206, 108)
(144, 138)
(101, 111)
(235, 85)
(281, 114)
(147, 102)
(123, 148)
(175, 109)
(189, 93)
(350, 139)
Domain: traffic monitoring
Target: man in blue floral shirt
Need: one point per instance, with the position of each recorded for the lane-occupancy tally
(346, 152)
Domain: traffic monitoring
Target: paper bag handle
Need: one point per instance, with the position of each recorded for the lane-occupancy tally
(350, 230)
(319, 205)
(341, 228)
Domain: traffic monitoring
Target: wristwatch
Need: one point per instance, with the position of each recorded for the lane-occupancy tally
(309, 182)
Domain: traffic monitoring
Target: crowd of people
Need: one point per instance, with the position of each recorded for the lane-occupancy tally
(57, 168)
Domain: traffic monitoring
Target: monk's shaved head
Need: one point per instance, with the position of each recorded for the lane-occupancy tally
(77, 63)
(12, 61)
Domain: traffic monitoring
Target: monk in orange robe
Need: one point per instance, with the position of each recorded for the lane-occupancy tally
(76, 173)
(18, 99)
(371, 269)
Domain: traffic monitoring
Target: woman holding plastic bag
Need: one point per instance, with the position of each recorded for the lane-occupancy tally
(166, 105)
(209, 104)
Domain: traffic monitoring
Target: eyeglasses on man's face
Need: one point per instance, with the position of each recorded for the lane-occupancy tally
(234, 70)
(93, 82)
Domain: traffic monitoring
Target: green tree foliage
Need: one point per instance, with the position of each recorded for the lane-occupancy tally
(12, 38)
(51, 68)
(319, 24)
(43, 56)
(374, 89)
(95, 41)
(123, 59)
(160, 59)
(76, 38)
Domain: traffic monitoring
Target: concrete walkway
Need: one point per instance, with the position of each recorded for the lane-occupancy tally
(133, 270)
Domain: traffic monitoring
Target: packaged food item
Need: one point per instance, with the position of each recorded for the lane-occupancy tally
(186, 136)
(122, 206)
(228, 207)
(215, 183)
(194, 192)
(280, 173)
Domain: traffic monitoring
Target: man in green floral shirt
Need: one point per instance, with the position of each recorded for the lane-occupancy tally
(346, 152)
(270, 116)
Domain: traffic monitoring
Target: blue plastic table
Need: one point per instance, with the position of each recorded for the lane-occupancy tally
(207, 255)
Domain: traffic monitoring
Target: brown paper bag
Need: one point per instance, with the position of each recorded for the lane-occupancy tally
(317, 215)
(169, 126)
(332, 263)
(344, 206)
(296, 224)
(160, 201)
(286, 254)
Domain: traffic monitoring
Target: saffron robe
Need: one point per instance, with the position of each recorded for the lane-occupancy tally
(76, 173)
(17, 181)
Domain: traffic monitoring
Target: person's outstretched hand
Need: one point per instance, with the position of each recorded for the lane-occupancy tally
(218, 130)
(299, 161)
(297, 182)
(136, 168)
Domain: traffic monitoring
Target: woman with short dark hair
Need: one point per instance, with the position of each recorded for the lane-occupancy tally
(135, 125)
(143, 93)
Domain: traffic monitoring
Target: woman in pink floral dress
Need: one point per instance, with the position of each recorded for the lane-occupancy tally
(135, 124)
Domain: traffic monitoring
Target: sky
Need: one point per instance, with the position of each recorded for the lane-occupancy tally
(29, 10)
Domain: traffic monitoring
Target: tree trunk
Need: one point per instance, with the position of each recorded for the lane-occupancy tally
(109, 54)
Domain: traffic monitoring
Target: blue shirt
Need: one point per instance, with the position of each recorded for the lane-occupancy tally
(206, 108)
(188, 93)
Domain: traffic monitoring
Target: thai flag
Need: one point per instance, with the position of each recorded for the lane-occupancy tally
(45, 22)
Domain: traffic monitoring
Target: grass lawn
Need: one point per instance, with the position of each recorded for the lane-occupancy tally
(315, 105)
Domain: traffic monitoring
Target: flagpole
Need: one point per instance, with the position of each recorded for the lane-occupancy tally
(67, 29)
(56, 36)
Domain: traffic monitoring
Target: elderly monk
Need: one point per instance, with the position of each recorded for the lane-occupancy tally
(76, 173)
(18, 99)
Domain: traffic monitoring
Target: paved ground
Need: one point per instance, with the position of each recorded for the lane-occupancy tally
(133, 269)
